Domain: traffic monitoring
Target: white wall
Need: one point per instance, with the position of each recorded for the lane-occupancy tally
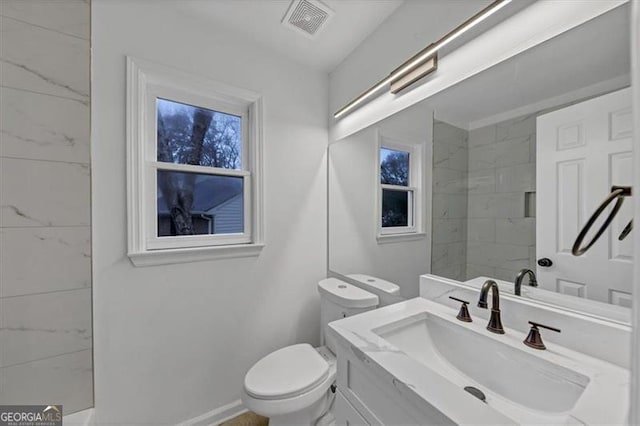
(173, 342)
(353, 220)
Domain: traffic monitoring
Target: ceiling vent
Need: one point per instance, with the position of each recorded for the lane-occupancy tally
(307, 17)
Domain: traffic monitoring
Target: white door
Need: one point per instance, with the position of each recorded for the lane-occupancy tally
(582, 151)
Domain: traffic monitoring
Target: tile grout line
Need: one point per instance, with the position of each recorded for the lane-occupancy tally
(67, 290)
(21, 89)
(24, 228)
(46, 358)
(45, 28)
(88, 225)
(10, 157)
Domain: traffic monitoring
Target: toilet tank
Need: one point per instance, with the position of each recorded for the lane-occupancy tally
(338, 300)
(387, 292)
(375, 284)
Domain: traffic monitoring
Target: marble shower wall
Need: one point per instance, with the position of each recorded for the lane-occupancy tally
(45, 234)
(450, 170)
(502, 169)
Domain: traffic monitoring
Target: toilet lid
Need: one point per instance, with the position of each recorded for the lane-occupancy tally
(287, 372)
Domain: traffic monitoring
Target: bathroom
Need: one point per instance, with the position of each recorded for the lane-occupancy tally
(103, 315)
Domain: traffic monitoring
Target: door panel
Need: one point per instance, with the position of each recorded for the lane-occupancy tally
(570, 190)
(582, 151)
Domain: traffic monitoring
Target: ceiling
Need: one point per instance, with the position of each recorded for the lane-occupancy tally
(260, 20)
(588, 60)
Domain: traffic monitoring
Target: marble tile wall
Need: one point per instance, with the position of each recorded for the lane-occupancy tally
(450, 205)
(502, 168)
(45, 234)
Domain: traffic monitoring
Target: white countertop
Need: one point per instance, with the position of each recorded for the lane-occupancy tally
(604, 401)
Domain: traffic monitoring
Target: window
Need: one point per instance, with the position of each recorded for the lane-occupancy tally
(399, 194)
(199, 175)
(193, 167)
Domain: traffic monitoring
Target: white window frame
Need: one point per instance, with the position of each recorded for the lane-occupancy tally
(415, 214)
(146, 82)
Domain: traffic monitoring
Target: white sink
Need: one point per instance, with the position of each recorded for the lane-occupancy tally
(497, 369)
(422, 345)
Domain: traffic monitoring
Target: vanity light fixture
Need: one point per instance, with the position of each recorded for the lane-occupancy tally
(415, 73)
(423, 62)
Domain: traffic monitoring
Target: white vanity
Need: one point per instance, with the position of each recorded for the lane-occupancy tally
(409, 363)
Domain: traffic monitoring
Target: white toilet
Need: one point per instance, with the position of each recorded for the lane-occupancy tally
(293, 385)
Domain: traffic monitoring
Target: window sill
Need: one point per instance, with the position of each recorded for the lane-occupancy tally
(194, 254)
(400, 238)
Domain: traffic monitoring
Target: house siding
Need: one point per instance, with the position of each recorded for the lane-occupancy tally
(229, 217)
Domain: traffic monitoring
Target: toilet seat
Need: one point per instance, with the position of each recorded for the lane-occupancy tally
(293, 386)
(308, 393)
(286, 373)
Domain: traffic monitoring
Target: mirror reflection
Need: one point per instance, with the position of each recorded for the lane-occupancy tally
(511, 163)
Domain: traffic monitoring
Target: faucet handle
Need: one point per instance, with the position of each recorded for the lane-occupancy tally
(463, 315)
(534, 339)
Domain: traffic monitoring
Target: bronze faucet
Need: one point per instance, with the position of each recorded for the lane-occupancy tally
(534, 340)
(463, 314)
(495, 324)
(532, 280)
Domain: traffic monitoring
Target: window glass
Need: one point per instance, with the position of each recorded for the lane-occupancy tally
(198, 136)
(395, 208)
(196, 204)
(394, 167)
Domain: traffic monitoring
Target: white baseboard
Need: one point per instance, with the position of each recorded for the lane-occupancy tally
(217, 416)
(211, 418)
(81, 418)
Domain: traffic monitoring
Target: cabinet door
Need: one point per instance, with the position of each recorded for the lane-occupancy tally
(345, 414)
(378, 397)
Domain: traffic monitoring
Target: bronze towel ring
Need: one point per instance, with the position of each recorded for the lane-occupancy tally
(617, 193)
(627, 229)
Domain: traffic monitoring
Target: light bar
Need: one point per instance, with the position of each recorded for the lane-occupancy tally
(425, 55)
(405, 80)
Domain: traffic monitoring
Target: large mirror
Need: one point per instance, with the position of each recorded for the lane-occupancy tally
(498, 174)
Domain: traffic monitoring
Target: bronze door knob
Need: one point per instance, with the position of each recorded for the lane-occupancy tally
(545, 262)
